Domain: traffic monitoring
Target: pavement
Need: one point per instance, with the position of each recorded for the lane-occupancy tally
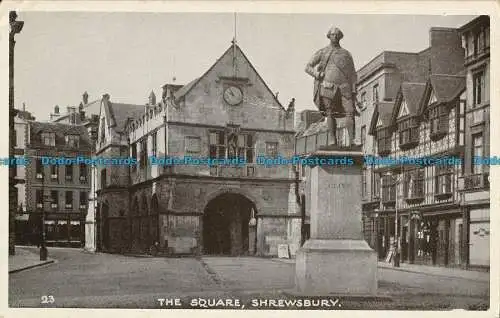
(80, 279)
(25, 258)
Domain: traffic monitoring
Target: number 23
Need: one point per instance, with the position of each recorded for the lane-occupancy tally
(48, 299)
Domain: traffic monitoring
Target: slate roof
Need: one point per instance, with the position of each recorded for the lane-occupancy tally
(412, 93)
(61, 130)
(121, 113)
(447, 87)
(383, 110)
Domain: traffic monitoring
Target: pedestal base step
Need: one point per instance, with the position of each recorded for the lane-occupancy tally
(336, 267)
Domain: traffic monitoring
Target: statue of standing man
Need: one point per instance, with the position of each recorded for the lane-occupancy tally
(335, 84)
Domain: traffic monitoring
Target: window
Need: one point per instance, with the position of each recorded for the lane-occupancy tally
(133, 154)
(217, 144)
(438, 118)
(363, 99)
(363, 135)
(375, 185)
(53, 172)
(39, 168)
(408, 132)
(69, 172)
(73, 141)
(470, 44)
(272, 149)
(54, 199)
(39, 199)
(83, 172)
(477, 151)
(363, 184)
(479, 91)
(192, 144)
(83, 200)
(69, 200)
(236, 146)
(375, 94)
(388, 188)
(444, 175)
(414, 184)
(154, 143)
(49, 139)
(143, 153)
(383, 141)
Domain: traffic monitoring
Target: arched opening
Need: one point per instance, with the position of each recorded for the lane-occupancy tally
(135, 230)
(105, 226)
(229, 226)
(145, 235)
(154, 218)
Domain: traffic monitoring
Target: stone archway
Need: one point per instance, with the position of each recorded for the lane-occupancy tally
(226, 228)
(105, 226)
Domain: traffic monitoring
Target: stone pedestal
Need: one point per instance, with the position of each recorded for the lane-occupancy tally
(336, 259)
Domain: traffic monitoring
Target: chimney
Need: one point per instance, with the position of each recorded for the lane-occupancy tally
(56, 110)
(85, 98)
(106, 97)
(24, 107)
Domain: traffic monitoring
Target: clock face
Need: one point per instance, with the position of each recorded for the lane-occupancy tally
(233, 95)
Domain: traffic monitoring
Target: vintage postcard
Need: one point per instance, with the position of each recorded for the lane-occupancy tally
(224, 159)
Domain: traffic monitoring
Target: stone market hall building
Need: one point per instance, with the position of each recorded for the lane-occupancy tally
(228, 112)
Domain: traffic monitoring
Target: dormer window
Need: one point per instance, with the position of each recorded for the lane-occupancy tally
(383, 141)
(73, 141)
(438, 119)
(49, 139)
(408, 132)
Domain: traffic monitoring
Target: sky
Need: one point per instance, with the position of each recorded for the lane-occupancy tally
(60, 55)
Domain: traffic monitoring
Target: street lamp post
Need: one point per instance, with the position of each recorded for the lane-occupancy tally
(15, 27)
(43, 248)
(397, 246)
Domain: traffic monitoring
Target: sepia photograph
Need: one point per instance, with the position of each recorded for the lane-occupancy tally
(249, 161)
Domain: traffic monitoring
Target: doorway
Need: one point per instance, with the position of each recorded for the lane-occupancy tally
(227, 229)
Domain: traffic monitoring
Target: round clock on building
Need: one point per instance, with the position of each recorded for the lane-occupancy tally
(233, 95)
